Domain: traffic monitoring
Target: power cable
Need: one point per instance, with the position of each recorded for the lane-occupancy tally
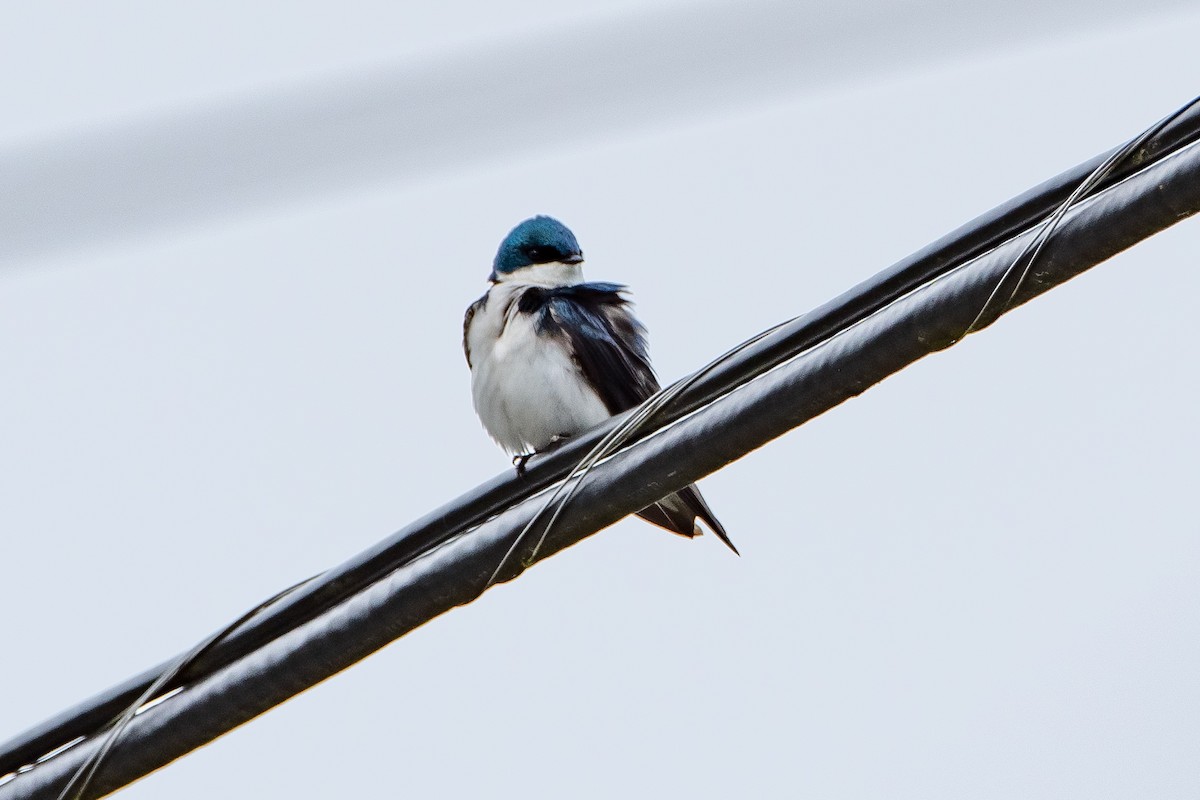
(921, 305)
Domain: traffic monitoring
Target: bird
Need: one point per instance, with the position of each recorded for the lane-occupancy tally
(552, 355)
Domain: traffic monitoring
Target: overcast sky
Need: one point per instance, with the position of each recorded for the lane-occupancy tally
(976, 580)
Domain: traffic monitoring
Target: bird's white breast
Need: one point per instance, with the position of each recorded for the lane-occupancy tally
(526, 387)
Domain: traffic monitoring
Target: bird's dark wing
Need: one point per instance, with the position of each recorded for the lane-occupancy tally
(471, 309)
(606, 341)
(609, 345)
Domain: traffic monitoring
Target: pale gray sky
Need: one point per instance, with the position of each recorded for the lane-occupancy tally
(976, 580)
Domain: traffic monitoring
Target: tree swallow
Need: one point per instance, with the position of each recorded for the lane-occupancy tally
(552, 356)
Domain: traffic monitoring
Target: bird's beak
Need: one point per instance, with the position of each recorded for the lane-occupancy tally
(577, 258)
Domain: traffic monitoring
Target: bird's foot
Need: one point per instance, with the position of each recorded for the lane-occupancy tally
(556, 441)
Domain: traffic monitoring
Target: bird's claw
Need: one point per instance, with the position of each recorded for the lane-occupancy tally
(520, 461)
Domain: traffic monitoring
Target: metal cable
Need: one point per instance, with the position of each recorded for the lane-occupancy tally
(979, 236)
(847, 346)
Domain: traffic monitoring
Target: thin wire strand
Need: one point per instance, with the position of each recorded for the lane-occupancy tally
(88, 770)
(1034, 247)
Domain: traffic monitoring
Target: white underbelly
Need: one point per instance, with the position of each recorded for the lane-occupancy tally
(527, 390)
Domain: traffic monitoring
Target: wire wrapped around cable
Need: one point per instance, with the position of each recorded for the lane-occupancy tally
(443, 569)
(978, 236)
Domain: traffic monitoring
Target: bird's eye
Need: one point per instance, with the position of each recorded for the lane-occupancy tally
(537, 254)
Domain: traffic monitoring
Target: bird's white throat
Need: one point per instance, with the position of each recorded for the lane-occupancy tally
(555, 273)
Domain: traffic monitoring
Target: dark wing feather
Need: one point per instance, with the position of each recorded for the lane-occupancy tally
(607, 342)
(471, 309)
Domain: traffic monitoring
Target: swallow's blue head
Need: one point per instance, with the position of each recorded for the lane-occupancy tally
(539, 240)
